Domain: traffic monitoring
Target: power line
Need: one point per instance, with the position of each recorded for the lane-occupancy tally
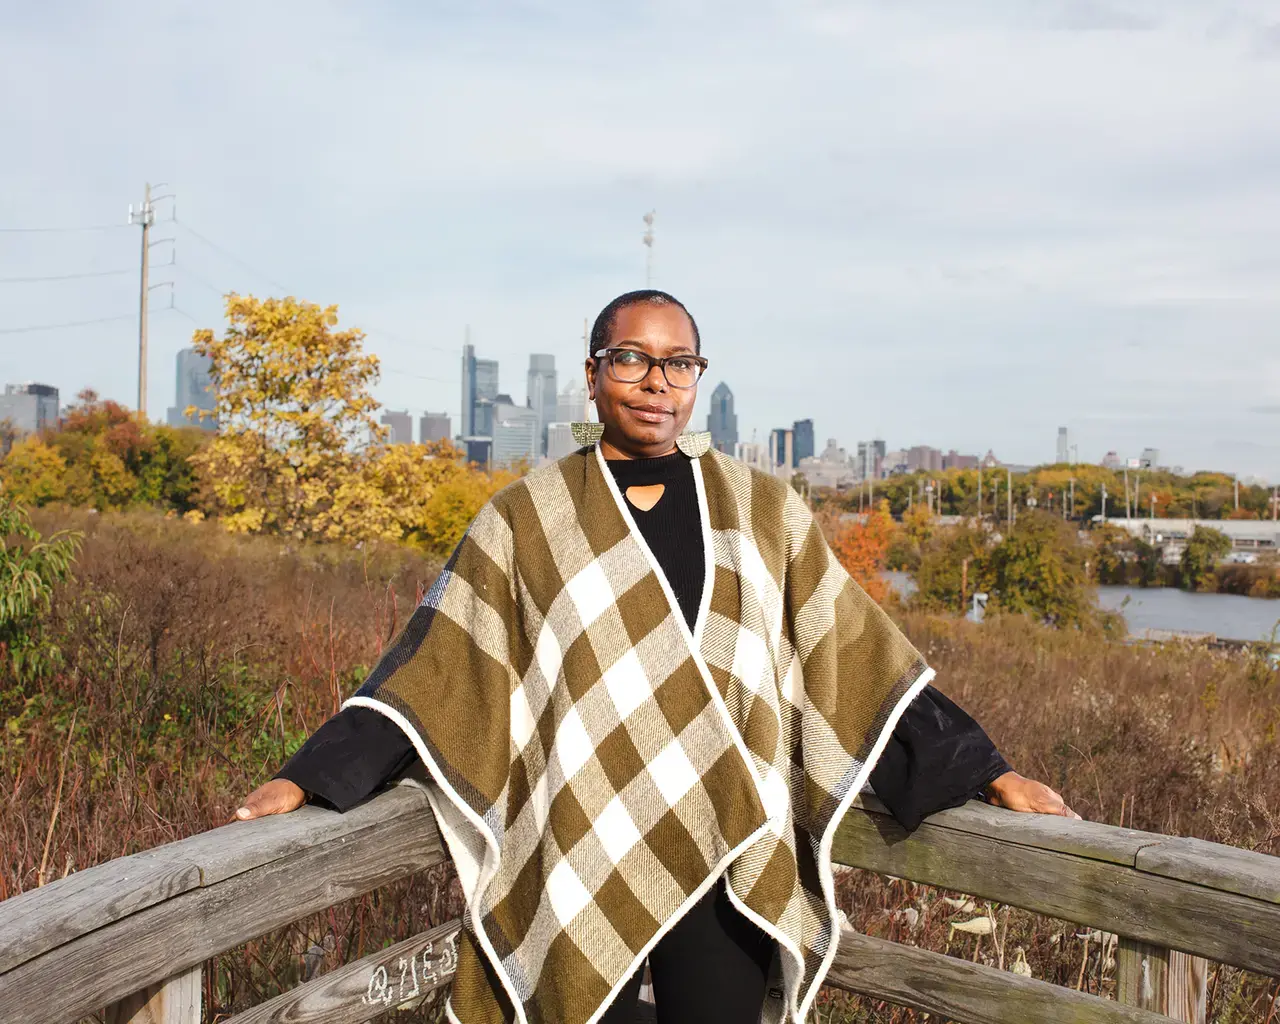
(88, 227)
(73, 323)
(228, 255)
(419, 376)
(64, 277)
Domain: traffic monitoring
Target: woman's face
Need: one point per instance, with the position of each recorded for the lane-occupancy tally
(643, 420)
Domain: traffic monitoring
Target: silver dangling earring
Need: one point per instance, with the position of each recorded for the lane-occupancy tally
(694, 443)
(585, 435)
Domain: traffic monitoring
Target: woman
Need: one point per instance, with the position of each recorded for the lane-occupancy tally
(645, 695)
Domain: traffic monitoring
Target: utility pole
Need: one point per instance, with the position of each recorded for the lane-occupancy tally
(145, 217)
(1153, 506)
(1237, 494)
(1073, 497)
(979, 490)
(1275, 504)
(1009, 487)
(1104, 504)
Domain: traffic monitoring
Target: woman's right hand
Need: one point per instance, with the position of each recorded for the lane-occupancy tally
(279, 796)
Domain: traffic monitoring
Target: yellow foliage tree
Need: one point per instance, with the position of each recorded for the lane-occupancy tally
(33, 473)
(297, 438)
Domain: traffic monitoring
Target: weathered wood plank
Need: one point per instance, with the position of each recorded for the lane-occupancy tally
(1222, 926)
(1087, 839)
(356, 992)
(173, 1001)
(1142, 975)
(108, 964)
(39, 920)
(1215, 866)
(967, 992)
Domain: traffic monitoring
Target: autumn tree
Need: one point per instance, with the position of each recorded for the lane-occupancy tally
(861, 546)
(950, 566)
(295, 423)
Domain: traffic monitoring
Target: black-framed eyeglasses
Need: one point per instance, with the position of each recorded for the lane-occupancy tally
(631, 366)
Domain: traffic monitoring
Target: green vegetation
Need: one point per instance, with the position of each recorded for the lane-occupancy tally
(30, 567)
(1205, 547)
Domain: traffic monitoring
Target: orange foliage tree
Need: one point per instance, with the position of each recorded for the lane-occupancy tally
(862, 547)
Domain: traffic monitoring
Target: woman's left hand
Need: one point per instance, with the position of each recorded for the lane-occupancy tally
(1011, 790)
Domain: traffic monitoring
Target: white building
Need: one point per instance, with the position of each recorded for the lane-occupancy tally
(29, 408)
(560, 441)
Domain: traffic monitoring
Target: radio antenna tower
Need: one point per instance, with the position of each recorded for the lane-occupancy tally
(648, 244)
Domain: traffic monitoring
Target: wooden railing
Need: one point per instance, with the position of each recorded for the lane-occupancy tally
(131, 935)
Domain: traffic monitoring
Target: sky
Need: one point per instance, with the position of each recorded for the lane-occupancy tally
(954, 224)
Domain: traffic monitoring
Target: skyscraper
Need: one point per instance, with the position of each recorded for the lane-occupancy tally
(804, 443)
(433, 426)
(542, 394)
(1064, 445)
(192, 387)
(399, 426)
(722, 421)
(781, 447)
(479, 389)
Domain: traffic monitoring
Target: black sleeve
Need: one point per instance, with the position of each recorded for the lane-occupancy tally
(937, 757)
(350, 756)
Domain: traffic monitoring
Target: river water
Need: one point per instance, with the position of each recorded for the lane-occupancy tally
(1228, 616)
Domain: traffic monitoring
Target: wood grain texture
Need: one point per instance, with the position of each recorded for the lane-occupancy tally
(1188, 988)
(108, 964)
(173, 1001)
(1223, 926)
(357, 992)
(1214, 866)
(1086, 839)
(966, 992)
(34, 922)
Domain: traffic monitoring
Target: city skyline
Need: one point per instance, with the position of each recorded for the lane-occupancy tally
(1118, 276)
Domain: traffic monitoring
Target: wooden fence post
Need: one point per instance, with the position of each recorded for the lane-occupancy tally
(175, 1000)
(1163, 980)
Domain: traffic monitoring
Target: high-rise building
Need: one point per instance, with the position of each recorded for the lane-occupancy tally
(515, 434)
(571, 403)
(542, 394)
(1150, 458)
(192, 387)
(804, 442)
(869, 463)
(954, 460)
(433, 426)
(399, 426)
(781, 447)
(29, 408)
(1064, 445)
(479, 388)
(922, 458)
(722, 421)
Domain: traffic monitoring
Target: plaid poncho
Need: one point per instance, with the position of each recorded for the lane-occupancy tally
(594, 767)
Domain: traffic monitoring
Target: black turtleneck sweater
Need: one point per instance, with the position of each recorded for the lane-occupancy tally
(937, 757)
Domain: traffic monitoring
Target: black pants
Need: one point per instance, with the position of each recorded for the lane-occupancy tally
(712, 966)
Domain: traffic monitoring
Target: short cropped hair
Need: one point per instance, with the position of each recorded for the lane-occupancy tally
(602, 329)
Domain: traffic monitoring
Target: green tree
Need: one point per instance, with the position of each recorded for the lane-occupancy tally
(952, 560)
(1205, 548)
(30, 566)
(1040, 569)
